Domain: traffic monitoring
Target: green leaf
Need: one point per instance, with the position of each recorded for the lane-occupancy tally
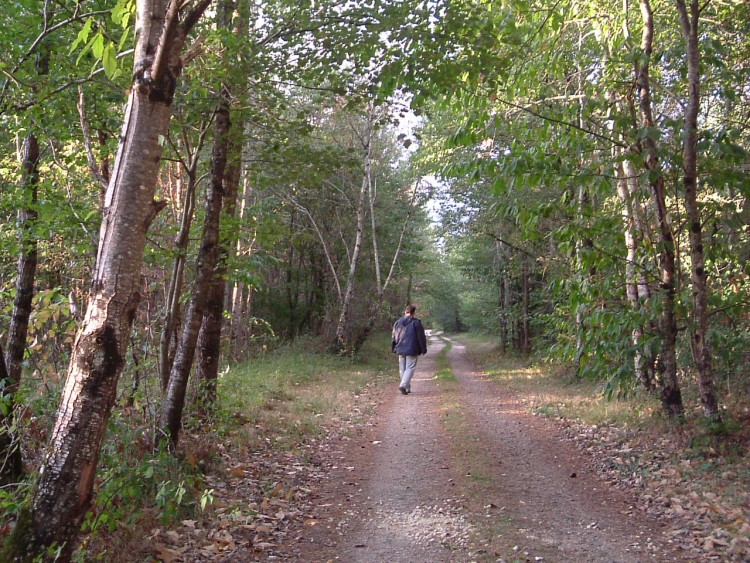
(109, 60)
(97, 45)
(123, 39)
(122, 12)
(83, 36)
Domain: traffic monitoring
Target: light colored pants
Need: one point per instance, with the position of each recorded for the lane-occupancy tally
(406, 365)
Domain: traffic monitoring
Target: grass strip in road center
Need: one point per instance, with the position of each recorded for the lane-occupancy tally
(495, 532)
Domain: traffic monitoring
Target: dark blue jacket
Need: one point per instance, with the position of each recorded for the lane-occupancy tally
(408, 337)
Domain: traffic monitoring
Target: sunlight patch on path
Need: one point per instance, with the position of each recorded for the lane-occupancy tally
(439, 524)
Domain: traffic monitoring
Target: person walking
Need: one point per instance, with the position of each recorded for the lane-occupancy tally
(408, 340)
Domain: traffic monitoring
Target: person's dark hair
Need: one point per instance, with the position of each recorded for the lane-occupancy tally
(411, 308)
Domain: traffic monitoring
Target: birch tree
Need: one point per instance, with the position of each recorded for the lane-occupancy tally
(63, 490)
(365, 136)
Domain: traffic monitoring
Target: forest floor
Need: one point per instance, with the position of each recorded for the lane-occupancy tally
(459, 471)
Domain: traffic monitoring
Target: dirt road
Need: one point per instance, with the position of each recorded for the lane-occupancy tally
(457, 471)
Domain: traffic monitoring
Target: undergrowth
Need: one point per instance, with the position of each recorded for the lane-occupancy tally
(278, 400)
(550, 392)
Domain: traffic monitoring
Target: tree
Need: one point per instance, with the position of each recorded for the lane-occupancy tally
(63, 490)
(11, 463)
(689, 19)
(671, 395)
(208, 257)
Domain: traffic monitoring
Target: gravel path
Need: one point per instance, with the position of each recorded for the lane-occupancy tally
(501, 487)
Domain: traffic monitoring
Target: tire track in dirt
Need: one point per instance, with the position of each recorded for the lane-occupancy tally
(394, 498)
(553, 507)
(459, 472)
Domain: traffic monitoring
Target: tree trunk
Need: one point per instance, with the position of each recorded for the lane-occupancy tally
(342, 345)
(671, 395)
(506, 319)
(209, 338)
(63, 491)
(382, 285)
(642, 373)
(642, 232)
(168, 335)
(583, 247)
(11, 463)
(525, 326)
(241, 291)
(27, 262)
(699, 335)
(174, 402)
(502, 311)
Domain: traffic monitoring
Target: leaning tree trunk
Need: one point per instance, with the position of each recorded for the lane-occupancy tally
(699, 336)
(671, 395)
(382, 285)
(63, 491)
(27, 262)
(174, 291)
(10, 453)
(341, 344)
(342, 327)
(174, 402)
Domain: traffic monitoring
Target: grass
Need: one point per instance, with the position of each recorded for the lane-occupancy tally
(289, 394)
(444, 371)
(273, 403)
(693, 460)
(551, 393)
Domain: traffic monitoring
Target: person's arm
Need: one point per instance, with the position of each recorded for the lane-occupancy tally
(422, 338)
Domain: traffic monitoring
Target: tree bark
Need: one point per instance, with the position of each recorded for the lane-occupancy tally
(63, 491)
(699, 335)
(209, 338)
(10, 451)
(11, 463)
(174, 402)
(671, 395)
(27, 263)
(342, 341)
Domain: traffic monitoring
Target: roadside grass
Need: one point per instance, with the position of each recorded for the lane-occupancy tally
(444, 371)
(691, 470)
(549, 392)
(288, 395)
(273, 404)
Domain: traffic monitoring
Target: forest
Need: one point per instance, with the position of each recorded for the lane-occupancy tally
(187, 186)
